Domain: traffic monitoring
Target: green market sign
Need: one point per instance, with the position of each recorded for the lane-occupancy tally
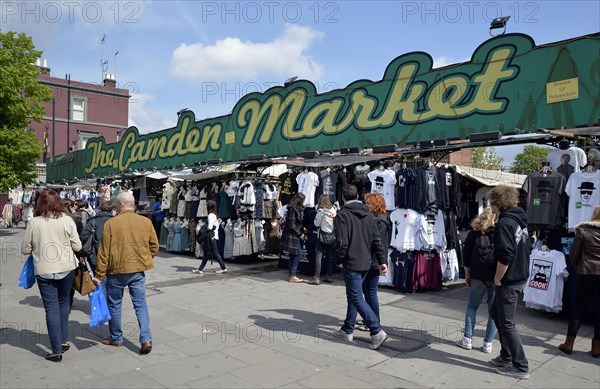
(504, 87)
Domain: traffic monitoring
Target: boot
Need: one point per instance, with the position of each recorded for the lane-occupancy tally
(567, 347)
(596, 348)
(315, 281)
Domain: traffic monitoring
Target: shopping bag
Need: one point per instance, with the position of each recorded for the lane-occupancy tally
(83, 281)
(99, 314)
(27, 278)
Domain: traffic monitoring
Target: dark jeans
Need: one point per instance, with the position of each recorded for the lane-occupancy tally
(587, 286)
(326, 252)
(369, 288)
(212, 253)
(357, 303)
(294, 261)
(55, 296)
(503, 312)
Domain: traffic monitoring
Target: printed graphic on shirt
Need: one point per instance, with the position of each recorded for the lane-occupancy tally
(544, 189)
(586, 190)
(379, 181)
(541, 274)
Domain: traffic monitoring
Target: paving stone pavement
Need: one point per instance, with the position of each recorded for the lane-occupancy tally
(250, 328)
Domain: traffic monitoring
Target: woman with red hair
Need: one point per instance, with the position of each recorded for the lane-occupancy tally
(52, 238)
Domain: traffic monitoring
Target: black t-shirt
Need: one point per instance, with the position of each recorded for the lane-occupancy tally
(289, 187)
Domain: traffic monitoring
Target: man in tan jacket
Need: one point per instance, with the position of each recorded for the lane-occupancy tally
(126, 251)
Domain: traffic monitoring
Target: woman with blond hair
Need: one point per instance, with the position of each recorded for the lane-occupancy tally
(585, 256)
(324, 222)
(480, 267)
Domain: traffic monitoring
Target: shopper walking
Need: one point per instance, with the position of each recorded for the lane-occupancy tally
(213, 229)
(95, 226)
(480, 268)
(512, 248)
(358, 241)
(326, 212)
(293, 233)
(52, 238)
(585, 256)
(126, 251)
(158, 216)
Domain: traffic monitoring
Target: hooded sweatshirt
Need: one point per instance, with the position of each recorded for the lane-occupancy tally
(512, 246)
(357, 237)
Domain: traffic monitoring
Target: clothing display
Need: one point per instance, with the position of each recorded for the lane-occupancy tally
(307, 185)
(567, 161)
(545, 198)
(383, 182)
(547, 274)
(583, 189)
(288, 186)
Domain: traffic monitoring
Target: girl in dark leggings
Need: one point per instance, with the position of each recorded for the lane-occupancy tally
(213, 228)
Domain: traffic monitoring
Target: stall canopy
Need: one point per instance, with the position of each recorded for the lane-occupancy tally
(492, 177)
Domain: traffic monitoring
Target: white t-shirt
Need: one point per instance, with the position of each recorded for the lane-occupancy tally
(583, 189)
(383, 182)
(577, 157)
(307, 185)
(404, 229)
(213, 222)
(482, 199)
(544, 288)
(388, 278)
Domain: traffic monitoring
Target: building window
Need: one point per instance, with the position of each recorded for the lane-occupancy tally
(84, 137)
(78, 109)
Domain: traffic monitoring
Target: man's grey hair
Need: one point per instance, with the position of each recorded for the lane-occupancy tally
(127, 199)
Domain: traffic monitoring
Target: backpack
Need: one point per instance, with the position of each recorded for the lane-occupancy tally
(326, 238)
(485, 262)
(203, 236)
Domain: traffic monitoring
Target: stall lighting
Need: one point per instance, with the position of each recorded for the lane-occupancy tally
(485, 136)
(309, 154)
(289, 81)
(350, 150)
(384, 149)
(498, 23)
(256, 157)
(181, 111)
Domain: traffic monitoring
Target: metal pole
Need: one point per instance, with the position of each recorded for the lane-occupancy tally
(68, 76)
(53, 126)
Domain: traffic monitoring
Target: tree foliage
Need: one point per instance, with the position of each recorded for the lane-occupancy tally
(21, 97)
(486, 158)
(530, 159)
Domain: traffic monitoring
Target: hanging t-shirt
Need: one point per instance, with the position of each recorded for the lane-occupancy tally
(482, 199)
(575, 157)
(329, 184)
(307, 185)
(388, 279)
(405, 178)
(544, 198)
(583, 189)
(289, 187)
(544, 288)
(383, 182)
(404, 229)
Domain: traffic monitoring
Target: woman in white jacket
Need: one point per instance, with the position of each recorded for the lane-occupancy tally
(324, 221)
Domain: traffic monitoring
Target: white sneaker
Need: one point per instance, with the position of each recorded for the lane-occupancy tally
(487, 347)
(378, 339)
(465, 343)
(221, 271)
(343, 335)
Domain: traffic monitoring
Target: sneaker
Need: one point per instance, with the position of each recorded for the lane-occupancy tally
(295, 280)
(343, 335)
(511, 371)
(378, 339)
(500, 362)
(487, 347)
(465, 343)
(197, 271)
(221, 271)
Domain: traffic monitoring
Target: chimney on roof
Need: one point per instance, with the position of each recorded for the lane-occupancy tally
(109, 80)
(44, 69)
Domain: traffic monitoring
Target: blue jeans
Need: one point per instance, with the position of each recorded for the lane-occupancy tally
(503, 313)
(476, 292)
(295, 261)
(55, 296)
(214, 253)
(115, 284)
(357, 303)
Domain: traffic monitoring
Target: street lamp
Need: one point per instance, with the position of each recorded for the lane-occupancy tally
(181, 111)
(499, 23)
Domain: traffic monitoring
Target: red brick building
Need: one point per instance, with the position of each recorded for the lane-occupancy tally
(80, 111)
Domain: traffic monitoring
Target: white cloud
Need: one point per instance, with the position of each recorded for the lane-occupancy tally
(146, 119)
(443, 60)
(232, 58)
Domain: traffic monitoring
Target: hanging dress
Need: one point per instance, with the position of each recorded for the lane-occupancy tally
(177, 237)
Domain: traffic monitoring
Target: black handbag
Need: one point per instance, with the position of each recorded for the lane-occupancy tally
(326, 238)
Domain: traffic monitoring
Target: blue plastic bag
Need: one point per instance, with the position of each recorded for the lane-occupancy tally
(27, 278)
(99, 313)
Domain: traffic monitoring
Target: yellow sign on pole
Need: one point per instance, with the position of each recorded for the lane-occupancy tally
(229, 138)
(562, 90)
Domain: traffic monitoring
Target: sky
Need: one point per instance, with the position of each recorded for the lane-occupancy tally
(206, 55)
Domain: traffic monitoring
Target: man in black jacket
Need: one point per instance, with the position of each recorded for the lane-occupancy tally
(512, 248)
(357, 237)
